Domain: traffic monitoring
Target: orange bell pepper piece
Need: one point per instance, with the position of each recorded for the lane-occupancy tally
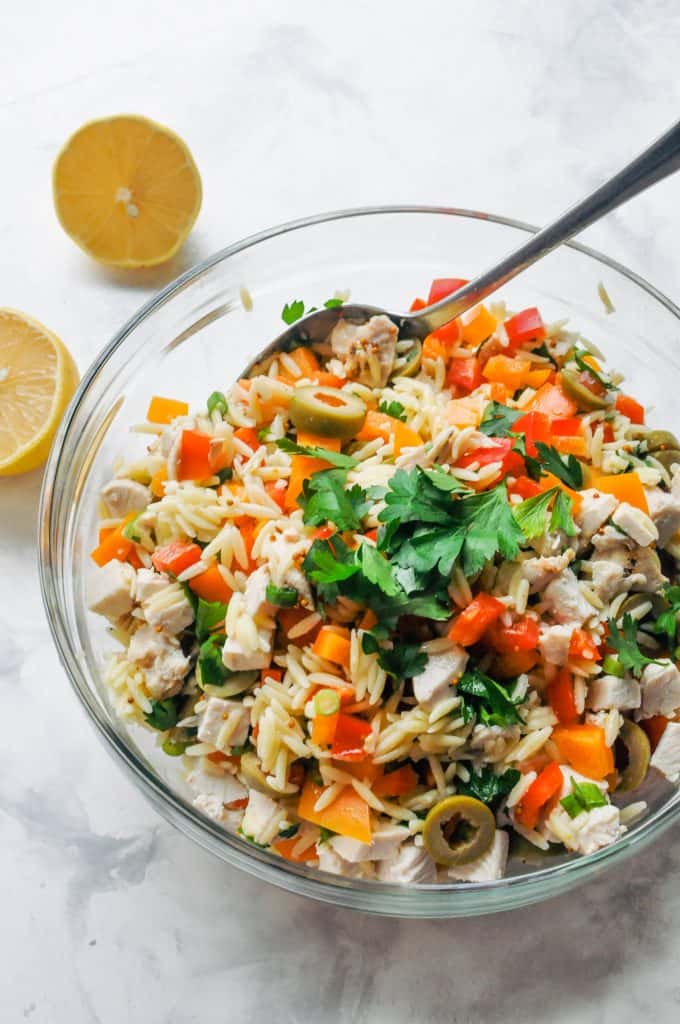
(348, 815)
(379, 424)
(466, 412)
(404, 780)
(175, 557)
(333, 644)
(195, 459)
(164, 410)
(477, 324)
(585, 748)
(514, 373)
(211, 586)
(306, 362)
(627, 406)
(474, 620)
(332, 444)
(114, 545)
(301, 468)
(286, 846)
(625, 487)
(551, 399)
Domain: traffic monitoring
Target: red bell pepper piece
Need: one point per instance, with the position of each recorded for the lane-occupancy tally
(525, 487)
(500, 451)
(655, 728)
(520, 636)
(474, 620)
(175, 557)
(449, 334)
(525, 326)
(417, 305)
(464, 374)
(560, 693)
(397, 783)
(194, 456)
(545, 786)
(627, 406)
(350, 736)
(567, 426)
(583, 646)
(443, 286)
(536, 427)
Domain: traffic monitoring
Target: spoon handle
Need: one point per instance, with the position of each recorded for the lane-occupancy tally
(655, 163)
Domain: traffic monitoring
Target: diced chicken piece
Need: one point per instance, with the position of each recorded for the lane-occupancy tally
(436, 679)
(660, 690)
(224, 723)
(122, 496)
(149, 583)
(666, 757)
(566, 602)
(334, 864)
(367, 351)
(594, 512)
(248, 646)
(553, 643)
(224, 788)
(383, 845)
(587, 832)
(540, 571)
(646, 575)
(607, 692)
(255, 597)
(610, 541)
(168, 609)
(110, 590)
(162, 660)
(664, 508)
(411, 865)
(488, 868)
(636, 524)
(213, 807)
(262, 818)
(608, 579)
(494, 740)
(284, 555)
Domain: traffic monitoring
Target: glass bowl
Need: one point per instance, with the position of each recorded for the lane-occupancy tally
(193, 338)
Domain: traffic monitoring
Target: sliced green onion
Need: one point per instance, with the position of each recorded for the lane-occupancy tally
(613, 667)
(217, 403)
(326, 702)
(282, 597)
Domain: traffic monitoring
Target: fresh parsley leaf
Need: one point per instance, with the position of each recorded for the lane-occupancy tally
(625, 644)
(487, 786)
(667, 622)
(530, 514)
(394, 409)
(282, 597)
(325, 834)
(208, 615)
(498, 419)
(324, 499)
(327, 565)
(561, 518)
(333, 303)
(401, 662)
(583, 797)
(569, 472)
(217, 403)
(211, 668)
(543, 350)
(488, 527)
(293, 311)
(164, 714)
(443, 480)
(377, 570)
(189, 594)
(316, 452)
(490, 701)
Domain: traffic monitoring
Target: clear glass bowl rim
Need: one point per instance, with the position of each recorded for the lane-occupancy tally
(438, 901)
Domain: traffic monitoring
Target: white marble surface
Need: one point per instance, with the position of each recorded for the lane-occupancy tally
(107, 914)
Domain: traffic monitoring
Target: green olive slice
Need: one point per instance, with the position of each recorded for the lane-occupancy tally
(252, 774)
(409, 364)
(458, 830)
(634, 602)
(668, 457)
(327, 412)
(660, 440)
(637, 755)
(585, 399)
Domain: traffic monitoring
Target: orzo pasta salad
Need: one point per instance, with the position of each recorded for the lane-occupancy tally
(399, 606)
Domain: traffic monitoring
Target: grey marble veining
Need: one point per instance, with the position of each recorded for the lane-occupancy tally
(108, 915)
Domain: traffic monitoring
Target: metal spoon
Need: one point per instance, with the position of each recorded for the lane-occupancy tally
(655, 163)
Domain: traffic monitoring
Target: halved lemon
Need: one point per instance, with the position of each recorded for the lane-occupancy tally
(127, 191)
(37, 380)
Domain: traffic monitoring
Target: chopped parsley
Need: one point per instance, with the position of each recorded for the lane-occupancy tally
(208, 615)
(317, 452)
(487, 786)
(295, 310)
(404, 661)
(282, 597)
(325, 834)
(625, 644)
(667, 622)
(487, 700)
(569, 471)
(211, 668)
(164, 714)
(584, 796)
(530, 514)
(325, 499)
(498, 420)
(394, 409)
